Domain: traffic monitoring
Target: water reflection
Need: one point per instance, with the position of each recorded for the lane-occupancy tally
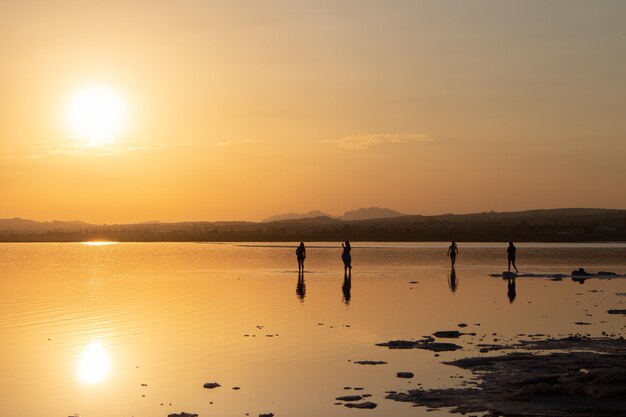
(511, 292)
(178, 312)
(94, 364)
(301, 287)
(99, 243)
(453, 281)
(346, 287)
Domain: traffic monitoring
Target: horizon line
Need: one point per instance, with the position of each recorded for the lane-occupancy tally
(308, 218)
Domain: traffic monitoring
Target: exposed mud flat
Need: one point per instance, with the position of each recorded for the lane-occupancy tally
(573, 376)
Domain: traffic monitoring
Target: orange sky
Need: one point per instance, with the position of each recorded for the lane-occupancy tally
(245, 110)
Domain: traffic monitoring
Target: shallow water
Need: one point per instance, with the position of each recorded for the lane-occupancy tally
(174, 316)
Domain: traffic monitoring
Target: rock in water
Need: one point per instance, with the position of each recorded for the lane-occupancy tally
(365, 405)
(211, 385)
(420, 344)
(349, 398)
(371, 362)
(405, 374)
(182, 414)
(447, 334)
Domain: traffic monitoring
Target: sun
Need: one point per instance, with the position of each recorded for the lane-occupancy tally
(97, 115)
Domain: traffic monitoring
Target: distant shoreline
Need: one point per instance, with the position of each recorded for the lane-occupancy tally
(556, 225)
(258, 243)
(109, 238)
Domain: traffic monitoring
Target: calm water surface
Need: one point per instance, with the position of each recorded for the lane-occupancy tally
(136, 329)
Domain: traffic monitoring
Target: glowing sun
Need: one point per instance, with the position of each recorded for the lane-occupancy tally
(97, 115)
(94, 364)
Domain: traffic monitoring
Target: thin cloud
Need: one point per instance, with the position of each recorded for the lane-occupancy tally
(34, 150)
(369, 140)
(232, 142)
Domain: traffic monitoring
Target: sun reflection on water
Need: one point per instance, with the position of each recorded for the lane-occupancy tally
(94, 364)
(99, 243)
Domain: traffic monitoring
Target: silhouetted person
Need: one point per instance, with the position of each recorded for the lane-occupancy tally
(301, 256)
(301, 287)
(580, 275)
(511, 255)
(511, 290)
(453, 282)
(346, 258)
(452, 252)
(346, 287)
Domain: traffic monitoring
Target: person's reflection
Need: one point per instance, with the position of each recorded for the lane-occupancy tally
(453, 281)
(346, 287)
(301, 287)
(510, 292)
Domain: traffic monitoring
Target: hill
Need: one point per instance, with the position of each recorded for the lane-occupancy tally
(370, 213)
(358, 214)
(558, 225)
(296, 216)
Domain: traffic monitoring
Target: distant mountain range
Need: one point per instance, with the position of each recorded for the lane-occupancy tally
(556, 225)
(359, 214)
(296, 216)
(24, 225)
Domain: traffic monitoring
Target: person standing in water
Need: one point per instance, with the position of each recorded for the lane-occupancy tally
(301, 256)
(347, 258)
(511, 255)
(452, 252)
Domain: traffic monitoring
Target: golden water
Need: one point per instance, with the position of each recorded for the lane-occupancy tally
(136, 329)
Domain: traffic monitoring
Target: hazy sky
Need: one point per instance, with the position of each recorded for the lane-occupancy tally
(241, 110)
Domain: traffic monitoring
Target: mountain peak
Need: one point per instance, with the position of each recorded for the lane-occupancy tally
(296, 216)
(370, 213)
